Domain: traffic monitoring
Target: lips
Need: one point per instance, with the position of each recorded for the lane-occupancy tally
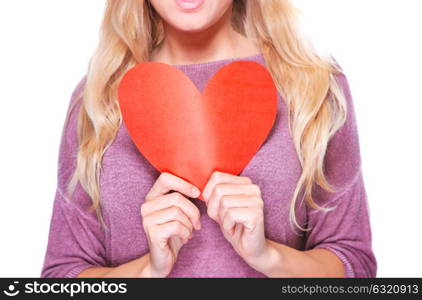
(189, 5)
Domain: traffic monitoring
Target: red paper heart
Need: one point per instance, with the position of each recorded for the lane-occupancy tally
(191, 134)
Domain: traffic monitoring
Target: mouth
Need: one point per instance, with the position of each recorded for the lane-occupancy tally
(189, 5)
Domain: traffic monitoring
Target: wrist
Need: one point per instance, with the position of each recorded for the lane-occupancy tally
(145, 268)
(270, 262)
(148, 270)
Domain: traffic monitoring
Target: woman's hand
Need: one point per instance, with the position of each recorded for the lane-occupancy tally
(168, 221)
(235, 203)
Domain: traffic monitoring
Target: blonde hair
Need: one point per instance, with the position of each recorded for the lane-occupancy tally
(131, 29)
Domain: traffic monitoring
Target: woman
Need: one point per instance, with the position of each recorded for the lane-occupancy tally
(299, 208)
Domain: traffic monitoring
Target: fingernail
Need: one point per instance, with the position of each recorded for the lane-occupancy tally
(195, 192)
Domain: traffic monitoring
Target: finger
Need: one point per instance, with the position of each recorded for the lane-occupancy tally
(176, 243)
(173, 199)
(162, 233)
(237, 231)
(223, 189)
(232, 201)
(167, 182)
(245, 216)
(220, 177)
(168, 215)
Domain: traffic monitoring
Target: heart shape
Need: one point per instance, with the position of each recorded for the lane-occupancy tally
(190, 134)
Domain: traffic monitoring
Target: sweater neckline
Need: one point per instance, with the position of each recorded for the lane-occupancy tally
(210, 64)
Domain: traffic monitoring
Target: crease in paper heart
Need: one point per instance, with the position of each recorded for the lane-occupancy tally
(190, 134)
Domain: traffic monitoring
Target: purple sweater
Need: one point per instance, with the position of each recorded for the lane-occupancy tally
(77, 241)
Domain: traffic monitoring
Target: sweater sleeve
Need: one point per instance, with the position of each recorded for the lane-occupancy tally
(345, 230)
(76, 240)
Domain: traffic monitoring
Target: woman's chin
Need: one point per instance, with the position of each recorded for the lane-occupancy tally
(192, 26)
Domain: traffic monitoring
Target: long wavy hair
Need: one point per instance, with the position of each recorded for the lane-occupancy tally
(131, 29)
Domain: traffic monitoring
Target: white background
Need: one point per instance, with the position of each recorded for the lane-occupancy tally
(44, 52)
